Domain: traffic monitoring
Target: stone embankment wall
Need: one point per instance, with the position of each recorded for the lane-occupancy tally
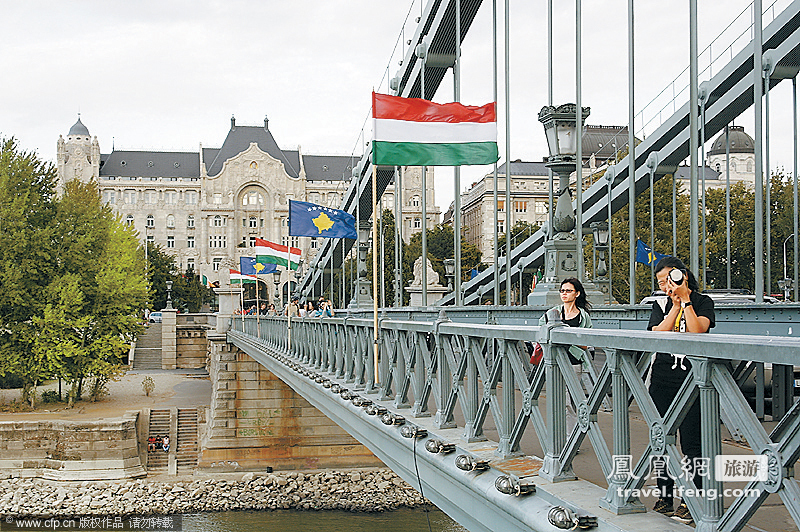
(192, 347)
(364, 491)
(256, 421)
(72, 450)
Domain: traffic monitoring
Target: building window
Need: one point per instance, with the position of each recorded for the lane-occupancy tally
(415, 201)
(171, 221)
(170, 197)
(129, 197)
(253, 222)
(110, 196)
(284, 240)
(217, 198)
(190, 264)
(151, 222)
(314, 243)
(218, 241)
(717, 165)
(500, 205)
(129, 219)
(170, 241)
(520, 206)
(313, 197)
(501, 227)
(217, 221)
(252, 198)
(417, 223)
(215, 264)
(190, 221)
(541, 207)
(150, 197)
(252, 241)
(190, 242)
(190, 197)
(151, 238)
(295, 241)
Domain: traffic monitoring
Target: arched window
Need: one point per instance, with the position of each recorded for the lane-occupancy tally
(151, 222)
(129, 219)
(190, 221)
(414, 201)
(252, 197)
(171, 221)
(217, 221)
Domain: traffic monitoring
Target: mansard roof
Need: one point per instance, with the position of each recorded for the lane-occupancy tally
(328, 167)
(239, 139)
(523, 168)
(150, 164)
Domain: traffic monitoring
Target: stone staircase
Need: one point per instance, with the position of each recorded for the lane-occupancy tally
(187, 441)
(158, 460)
(147, 354)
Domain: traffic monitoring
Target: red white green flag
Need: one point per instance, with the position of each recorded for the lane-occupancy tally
(416, 132)
(238, 278)
(270, 253)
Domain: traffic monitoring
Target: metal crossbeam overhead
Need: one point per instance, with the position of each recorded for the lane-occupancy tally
(429, 367)
(437, 27)
(730, 93)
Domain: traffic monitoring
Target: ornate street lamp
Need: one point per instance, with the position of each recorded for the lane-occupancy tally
(276, 276)
(562, 250)
(361, 296)
(169, 295)
(449, 271)
(298, 274)
(601, 235)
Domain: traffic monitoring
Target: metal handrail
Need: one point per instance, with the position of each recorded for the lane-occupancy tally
(485, 369)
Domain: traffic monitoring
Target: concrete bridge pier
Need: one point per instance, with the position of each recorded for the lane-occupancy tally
(256, 421)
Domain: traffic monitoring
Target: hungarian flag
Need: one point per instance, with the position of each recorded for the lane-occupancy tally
(416, 132)
(238, 278)
(271, 253)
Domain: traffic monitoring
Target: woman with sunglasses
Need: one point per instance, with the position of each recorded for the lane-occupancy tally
(573, 311)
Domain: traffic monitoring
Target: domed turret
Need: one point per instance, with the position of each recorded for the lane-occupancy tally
(740, 142)
(78, 129)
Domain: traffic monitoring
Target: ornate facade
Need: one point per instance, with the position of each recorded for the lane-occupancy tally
(207, 207)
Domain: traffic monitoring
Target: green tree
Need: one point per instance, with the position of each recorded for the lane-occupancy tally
(98, 292)
(26, 263)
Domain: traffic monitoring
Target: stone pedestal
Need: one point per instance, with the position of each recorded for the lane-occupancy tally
(561, 262)
(229, 300)
(362, 299)
(435, 293)
(169, 339)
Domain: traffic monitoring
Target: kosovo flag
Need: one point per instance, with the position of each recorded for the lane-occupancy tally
(249, 266)
(645, 255)
(310, 219)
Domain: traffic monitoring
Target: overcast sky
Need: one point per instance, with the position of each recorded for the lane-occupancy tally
(168, 75)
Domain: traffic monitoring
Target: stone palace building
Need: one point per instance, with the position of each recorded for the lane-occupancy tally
(207, 207)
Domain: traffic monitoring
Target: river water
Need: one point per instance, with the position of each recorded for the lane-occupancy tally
(403, 520)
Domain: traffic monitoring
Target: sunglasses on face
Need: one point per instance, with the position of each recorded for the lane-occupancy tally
(566, 291)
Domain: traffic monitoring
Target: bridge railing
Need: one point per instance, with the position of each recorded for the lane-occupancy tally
(432, 367)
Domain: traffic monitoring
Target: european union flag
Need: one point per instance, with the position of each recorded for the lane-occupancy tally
(645, 255)
(310, 219)
(249, 266)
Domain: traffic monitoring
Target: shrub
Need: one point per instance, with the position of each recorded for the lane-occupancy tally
(50, 396)
(148, 385)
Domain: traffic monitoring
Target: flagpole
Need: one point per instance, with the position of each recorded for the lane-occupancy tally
(258, 311)
(375, 267)
(457, 169)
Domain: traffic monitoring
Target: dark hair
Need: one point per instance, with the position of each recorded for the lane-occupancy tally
(675, 262)
(580, 301)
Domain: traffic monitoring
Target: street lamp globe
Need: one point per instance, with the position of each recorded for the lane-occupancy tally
(600, 233)
(561, 129)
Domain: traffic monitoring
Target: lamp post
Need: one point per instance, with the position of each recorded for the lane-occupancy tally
(449, 271)
(562, 250)
(361, 296)
(787, 281)
(276, 276)
(601, 234)
(169, 295)
(298, 274)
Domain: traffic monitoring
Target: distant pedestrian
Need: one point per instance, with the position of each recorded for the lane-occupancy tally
(151, 443)
(165, 445)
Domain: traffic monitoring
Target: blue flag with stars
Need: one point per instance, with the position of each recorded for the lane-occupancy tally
(310, 219)
(645, 255)
(249, 266)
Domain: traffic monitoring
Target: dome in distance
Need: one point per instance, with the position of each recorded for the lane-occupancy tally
(740, 142)
(78, 130)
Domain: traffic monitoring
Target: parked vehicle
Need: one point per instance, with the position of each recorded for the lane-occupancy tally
(155, 317)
